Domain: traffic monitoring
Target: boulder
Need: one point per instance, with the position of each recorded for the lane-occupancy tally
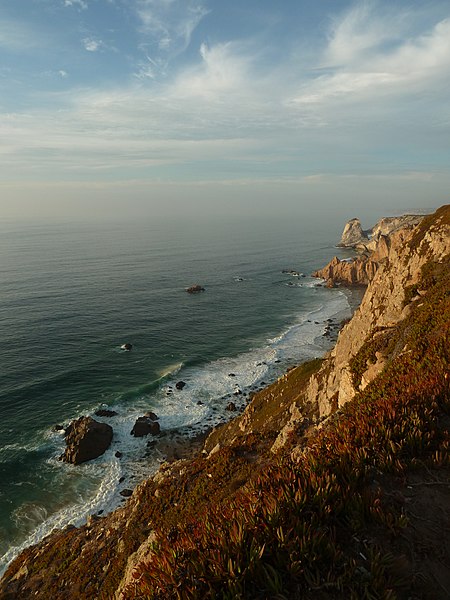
(231, 406)
(151, 415)
(180, 385)
(86, 439)
(145, 426)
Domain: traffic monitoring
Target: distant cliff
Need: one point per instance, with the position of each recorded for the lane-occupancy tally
(395, 266)
(361, 269)
(307, 492)
(354, 236)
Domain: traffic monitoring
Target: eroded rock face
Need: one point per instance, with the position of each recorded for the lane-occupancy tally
(398, 260)
(359, 271)
(86, 439)
(353, 234)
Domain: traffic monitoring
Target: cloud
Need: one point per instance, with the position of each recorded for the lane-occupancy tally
(170, 23)
(364, 58)
(239, 109)
(92, 45)
(361, 30)
(81, 4)
(223, 72)
(18, 37)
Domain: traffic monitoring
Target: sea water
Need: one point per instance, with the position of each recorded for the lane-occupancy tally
(72, 293)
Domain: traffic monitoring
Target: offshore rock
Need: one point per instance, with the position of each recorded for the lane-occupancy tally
(353, 234)
(145, 426)
(86, 439)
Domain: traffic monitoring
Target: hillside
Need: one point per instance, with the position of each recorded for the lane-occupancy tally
(334, 482)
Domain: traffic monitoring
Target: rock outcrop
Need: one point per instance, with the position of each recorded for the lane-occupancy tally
(358, 271)
(353, 234)
(86, 439)
(145, 426)
(400, 260)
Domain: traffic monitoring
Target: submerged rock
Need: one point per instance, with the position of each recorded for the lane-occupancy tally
(194, 289)
(103, 412)
(127, 346)
(86, 439)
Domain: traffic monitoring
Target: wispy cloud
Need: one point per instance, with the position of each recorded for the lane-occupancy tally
(17, 36)
(366, 58)
(92, 45)
(168, 24)
(81, 4)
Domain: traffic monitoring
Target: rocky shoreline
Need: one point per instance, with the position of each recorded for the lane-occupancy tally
(106, 558)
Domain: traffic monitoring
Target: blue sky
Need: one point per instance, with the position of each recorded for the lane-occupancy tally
(165, 104)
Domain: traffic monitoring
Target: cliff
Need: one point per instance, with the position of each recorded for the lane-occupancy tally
(306, 493)
(353, 235)
(399, 260)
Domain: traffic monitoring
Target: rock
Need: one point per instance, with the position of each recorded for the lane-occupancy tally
(151, 415)
(145, 426)
(231, 406)
(118, 454)
(353, 234)
(199, 403)
(86, 439)
(127, 346)
(58, 428)
(180, 385)
(237, 392)
(126, 493)
(359, 271)
(231, 375)
(194, 289)
(103, 412)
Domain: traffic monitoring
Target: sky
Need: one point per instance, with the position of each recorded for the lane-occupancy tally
(116, 107)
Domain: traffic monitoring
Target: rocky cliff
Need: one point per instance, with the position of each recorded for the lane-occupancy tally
(396, 265)
(353, 235)
(276, 504)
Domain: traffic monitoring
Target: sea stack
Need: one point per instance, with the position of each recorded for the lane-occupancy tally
(353, 234)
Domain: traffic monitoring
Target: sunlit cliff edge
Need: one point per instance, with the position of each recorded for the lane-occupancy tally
(333, 483)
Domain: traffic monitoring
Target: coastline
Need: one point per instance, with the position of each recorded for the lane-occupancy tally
(172, 446)
(296, 456)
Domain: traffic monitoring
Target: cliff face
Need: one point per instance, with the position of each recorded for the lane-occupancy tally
(354, 236)
(398, 262)
(100, 559)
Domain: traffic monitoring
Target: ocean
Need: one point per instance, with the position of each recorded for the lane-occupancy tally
(72, 293)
